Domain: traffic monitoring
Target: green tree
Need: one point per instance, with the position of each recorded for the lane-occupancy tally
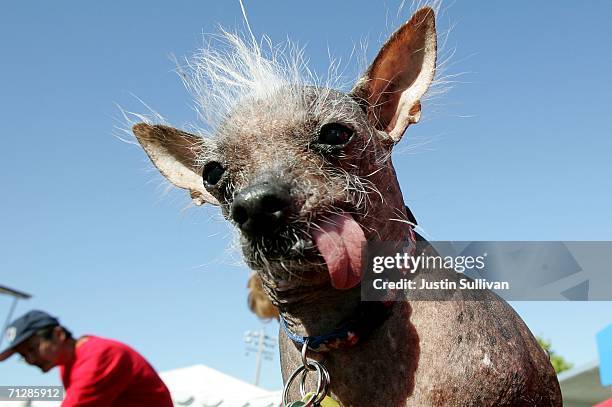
(558, 362)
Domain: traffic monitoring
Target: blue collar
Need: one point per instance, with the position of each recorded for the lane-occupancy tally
(368, 316)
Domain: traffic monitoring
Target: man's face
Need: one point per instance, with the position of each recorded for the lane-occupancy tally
(40, 352)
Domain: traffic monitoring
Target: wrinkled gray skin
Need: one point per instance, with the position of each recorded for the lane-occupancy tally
(427, 353)
(448, 353)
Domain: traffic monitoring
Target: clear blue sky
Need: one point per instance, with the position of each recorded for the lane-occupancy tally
(520, 149)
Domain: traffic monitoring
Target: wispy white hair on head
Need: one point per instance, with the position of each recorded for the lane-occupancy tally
(232, 67)
(229, 69)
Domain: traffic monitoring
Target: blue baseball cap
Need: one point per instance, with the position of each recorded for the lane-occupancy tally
(24, 327)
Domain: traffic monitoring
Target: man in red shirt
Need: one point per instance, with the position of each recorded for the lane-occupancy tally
(95, 371)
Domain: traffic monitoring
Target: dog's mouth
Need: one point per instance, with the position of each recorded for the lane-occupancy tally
(332, 242)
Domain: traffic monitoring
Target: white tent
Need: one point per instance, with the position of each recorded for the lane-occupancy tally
(202, 386)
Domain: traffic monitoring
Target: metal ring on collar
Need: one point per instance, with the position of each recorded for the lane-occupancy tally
(304, 360)
(322, 383)
(320, 395)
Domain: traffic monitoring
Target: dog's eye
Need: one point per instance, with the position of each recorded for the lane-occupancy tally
(212, 173)
(334, 134)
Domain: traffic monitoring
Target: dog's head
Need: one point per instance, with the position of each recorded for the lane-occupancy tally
(304, 172)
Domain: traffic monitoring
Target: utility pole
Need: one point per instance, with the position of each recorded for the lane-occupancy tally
(261, 344)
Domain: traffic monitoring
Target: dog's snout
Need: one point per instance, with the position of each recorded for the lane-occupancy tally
(262, 208)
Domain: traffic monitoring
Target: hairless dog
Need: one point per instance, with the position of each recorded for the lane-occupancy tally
(305, 174)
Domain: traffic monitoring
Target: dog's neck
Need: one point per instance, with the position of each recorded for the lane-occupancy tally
(326, 308)
(321, 313)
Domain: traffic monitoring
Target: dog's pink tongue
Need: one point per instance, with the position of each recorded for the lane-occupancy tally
(339, 242)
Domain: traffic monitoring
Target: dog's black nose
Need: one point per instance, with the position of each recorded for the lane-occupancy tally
(262, 208)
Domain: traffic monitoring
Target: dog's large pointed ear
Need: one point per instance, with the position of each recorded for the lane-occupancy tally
(174, 153)
(401, 73)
